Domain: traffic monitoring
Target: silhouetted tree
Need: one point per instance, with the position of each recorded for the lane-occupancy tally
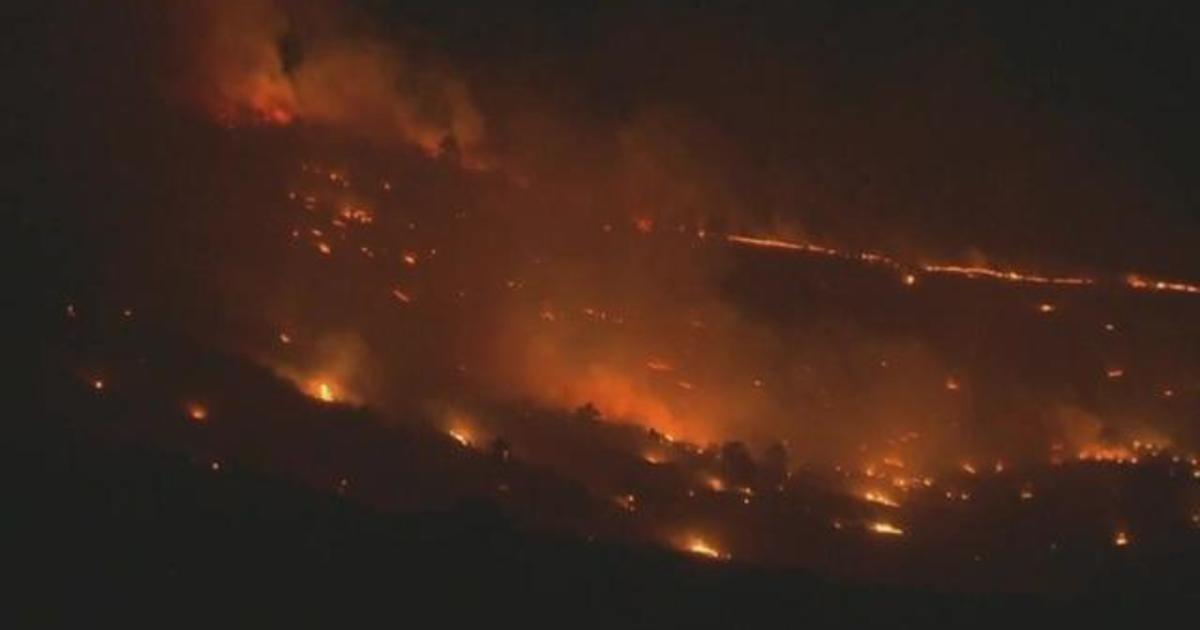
(587, 413)
(500, 449)
(738, 465)
(773, 470)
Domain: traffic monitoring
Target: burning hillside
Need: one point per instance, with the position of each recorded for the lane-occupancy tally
(618, 298)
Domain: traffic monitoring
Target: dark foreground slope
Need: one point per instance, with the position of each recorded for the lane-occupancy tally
(105, 531)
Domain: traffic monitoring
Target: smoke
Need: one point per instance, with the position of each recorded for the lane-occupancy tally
(565, 232)
(258, 61)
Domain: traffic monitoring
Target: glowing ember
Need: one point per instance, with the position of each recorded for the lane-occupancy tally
(1121, 539)
(323, 391)
(285, 338)
(1046, 307)
(879, 498)
(702, 548)
(1114, 373)
(1146, 284)
(98, 385)
(197, 413)
(658, 365)
(461, 436)
(881, 527)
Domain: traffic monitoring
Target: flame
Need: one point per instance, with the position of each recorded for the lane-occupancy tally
(701, 547)
(323, 391)
(1145, 284)
(462, 436)
(880, 498)
(883, 527)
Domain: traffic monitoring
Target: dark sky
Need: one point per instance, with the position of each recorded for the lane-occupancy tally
(1036, 135)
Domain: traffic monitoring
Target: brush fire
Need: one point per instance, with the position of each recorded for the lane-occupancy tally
(661, 324)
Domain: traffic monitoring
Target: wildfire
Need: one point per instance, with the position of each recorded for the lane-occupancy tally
(1117, 454)
(1007, 275)
(462, 436)
(197, 413)
(885, 528)
(323, 391)
(880, 498)
(658, 365)
(701, 547)
(653, 458)
(1146, 284)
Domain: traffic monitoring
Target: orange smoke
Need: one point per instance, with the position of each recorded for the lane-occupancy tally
(235, 69)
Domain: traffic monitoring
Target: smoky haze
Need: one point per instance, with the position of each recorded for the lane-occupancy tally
(564, 202)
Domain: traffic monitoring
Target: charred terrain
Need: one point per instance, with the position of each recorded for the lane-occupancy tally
(621, 315)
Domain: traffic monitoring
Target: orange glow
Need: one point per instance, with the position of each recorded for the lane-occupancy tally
(882, 527)
(658, 365)
(285, 338)
(98, 385)
(653, 458)
(324, 248)
(1146, 284)
(1114, 373)
(1105, 453)
(401, 295)
(323, 391)
(880, 498)
(460, 435)
(1121, 539)
(1046, 307)
(1007, 275)
(701, 547)
(197, 413)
